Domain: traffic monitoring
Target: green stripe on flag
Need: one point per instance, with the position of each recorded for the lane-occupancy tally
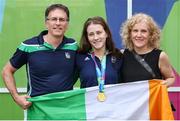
(68, 105)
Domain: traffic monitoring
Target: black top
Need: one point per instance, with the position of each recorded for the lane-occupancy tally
(132, 70)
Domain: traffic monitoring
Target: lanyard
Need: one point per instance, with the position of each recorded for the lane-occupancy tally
(100, 73)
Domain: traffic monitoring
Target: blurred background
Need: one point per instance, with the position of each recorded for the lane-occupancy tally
(22, 19)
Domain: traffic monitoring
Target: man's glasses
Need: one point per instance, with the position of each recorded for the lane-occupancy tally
(54, 19)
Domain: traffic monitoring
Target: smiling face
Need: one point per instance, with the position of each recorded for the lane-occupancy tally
(140, 35)
(97, 36)
(57, 22)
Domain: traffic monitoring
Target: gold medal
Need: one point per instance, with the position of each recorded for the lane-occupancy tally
(101, 97)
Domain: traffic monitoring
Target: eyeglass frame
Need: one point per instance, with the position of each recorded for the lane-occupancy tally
(55, 19)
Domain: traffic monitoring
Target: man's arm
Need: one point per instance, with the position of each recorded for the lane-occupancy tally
(9, 80)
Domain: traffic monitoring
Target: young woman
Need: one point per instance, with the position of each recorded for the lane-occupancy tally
(98, 61)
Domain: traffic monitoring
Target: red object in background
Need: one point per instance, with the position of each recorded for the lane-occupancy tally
(174, 95)
(175, 99)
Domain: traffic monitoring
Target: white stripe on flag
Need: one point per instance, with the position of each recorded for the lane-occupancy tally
(115, 106)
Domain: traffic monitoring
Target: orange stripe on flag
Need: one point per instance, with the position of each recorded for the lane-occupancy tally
(159, 104)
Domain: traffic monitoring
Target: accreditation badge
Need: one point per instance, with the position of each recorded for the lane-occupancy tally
(101, 97)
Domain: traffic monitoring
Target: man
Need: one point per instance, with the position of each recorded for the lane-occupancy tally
(49, 58)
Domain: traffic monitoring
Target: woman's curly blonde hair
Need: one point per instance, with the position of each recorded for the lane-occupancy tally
(154, 30)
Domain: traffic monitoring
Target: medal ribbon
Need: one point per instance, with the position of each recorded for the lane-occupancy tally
(100, 73)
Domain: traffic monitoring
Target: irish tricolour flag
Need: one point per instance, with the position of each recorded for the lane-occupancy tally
(145, 100)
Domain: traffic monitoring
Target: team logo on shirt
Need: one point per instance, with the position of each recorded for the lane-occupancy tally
(86, 59)
(67, 55)
(113, 59)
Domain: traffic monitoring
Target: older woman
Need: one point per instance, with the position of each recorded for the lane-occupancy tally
(141, 37)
